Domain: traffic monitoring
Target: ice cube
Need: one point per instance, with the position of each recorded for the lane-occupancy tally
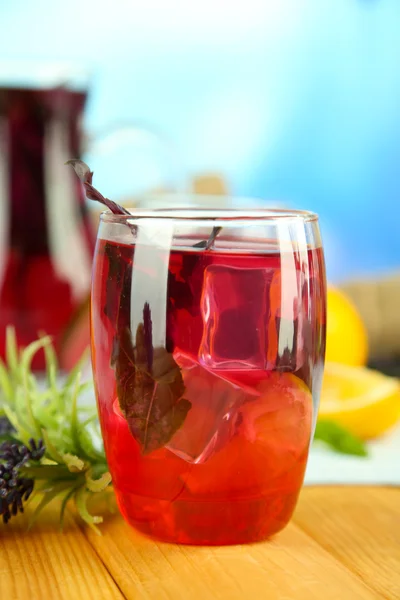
(269, 449)
(252, 318)
(213, 417)
(234, 310)
(279, 421)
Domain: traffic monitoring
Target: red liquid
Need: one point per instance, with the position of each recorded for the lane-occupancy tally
(248, 333)
(45, 254)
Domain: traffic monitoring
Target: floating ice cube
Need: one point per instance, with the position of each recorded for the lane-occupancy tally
(279, 422)
(252, 318)
(211, 421)
(234, 311)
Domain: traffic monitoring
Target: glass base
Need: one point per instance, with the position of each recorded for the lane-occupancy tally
(208, 523)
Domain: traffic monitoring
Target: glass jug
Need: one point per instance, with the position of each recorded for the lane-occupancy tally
(46, 236)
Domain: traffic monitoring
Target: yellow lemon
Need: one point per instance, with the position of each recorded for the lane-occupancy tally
(363, 401)
(346, 335)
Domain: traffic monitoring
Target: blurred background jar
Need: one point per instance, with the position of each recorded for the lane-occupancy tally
(47, 231)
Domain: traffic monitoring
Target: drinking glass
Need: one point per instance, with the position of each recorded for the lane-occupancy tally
(208, 341)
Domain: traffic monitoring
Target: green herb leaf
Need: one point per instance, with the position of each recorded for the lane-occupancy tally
(81, 499)
(50, 495)
(97, 485)
(5, 384)
(45, 472)
(339, 439)
(67, 462)
(74, 463)
(12, 352)
(64, 503)
(149, 387)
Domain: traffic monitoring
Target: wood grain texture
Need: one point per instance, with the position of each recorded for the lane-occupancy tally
(43, 564)
(343, 544)
(290, 567)
(361, 528)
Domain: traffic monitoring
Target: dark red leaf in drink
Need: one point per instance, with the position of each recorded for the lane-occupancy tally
(86, 176)
(207, 244)
(150, 387)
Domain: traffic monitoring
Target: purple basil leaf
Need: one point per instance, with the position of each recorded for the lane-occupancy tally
(81, 169)
(86, 176)
(207, 244)
(151, 400)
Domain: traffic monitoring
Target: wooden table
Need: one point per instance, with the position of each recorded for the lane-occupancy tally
(343, 543)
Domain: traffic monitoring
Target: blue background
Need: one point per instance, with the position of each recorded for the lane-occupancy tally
(292, 100)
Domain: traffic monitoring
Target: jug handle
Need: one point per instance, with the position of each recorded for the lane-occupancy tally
(111, 140)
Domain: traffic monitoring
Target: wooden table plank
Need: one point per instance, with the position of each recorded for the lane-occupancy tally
(361, 527)
(44, 564)
(344, 543)
(290, 567)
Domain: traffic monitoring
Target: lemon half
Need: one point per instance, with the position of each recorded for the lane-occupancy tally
(363, 401)
(346, 335)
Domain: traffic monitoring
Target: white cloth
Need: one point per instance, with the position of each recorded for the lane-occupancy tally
(381, 467)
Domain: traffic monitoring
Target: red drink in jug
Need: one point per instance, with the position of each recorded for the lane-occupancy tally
(46, 241)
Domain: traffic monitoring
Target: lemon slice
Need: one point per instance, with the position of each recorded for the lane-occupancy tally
(346, 335)
(363, 401)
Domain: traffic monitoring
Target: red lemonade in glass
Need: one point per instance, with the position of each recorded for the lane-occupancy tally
(207, 363)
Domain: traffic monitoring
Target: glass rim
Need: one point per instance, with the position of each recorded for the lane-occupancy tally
(212, 214)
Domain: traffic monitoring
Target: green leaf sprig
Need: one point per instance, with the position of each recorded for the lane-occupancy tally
(339, 439)
(73, 466)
